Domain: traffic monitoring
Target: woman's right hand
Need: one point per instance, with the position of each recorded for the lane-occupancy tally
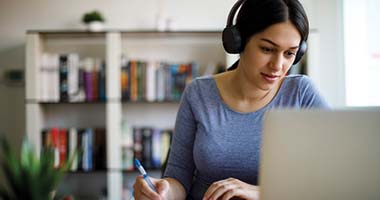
(142, 191)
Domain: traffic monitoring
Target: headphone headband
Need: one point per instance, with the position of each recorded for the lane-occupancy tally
(231, 15)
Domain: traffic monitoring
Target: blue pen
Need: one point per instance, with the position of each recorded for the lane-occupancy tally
(143, 172)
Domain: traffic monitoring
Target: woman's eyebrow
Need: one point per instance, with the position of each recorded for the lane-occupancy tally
(274, 44)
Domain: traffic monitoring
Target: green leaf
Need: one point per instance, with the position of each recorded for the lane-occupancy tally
(11, 168)
(25, 153)
(29, 176)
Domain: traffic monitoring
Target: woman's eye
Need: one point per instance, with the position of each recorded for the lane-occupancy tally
(266, 49)
(290, 53)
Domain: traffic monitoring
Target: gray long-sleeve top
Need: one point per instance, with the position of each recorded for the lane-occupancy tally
(212, 142)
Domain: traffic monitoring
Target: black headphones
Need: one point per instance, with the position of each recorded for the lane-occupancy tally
(233, 43)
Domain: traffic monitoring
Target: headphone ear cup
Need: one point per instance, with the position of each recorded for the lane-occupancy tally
(232, 40)
(301, 51)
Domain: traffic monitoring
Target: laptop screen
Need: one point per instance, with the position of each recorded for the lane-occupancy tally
(314, 154)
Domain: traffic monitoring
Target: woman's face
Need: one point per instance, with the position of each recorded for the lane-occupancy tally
(268, 55)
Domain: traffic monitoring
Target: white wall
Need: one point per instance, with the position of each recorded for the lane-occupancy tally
(329, 22)
(17, 16)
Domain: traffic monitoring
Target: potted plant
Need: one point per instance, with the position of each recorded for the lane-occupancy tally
(94, 20)
(30, 176)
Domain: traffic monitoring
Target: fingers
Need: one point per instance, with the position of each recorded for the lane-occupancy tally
(142, 190)
(229, 189)
(219, 188)
(162, 187)
(229, 195)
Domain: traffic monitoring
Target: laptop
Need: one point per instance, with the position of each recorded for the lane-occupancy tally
(315, 155)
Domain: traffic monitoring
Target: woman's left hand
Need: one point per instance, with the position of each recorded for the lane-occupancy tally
(230, 188)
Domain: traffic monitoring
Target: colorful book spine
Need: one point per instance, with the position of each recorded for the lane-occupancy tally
(134, 81)
(137, 144)
(127, 147)
(166, 136)
(88, 145)
(88, 77)
(155, 81)
(125, 81)
(95, 80)
(102, 82)
(55, 140)
(87, 138)
(73, 76)
(156, 148)
(150, 81)
(73, 148)
(62, 146)
(47, 142)
(147, 146)
(63, 79)
(150, 146)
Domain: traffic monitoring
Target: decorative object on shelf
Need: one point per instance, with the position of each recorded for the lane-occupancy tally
(13, 77)
(163, 21)
(30, 176)
(94, 21)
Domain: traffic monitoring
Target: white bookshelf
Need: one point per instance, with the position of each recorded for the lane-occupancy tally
(202, 47)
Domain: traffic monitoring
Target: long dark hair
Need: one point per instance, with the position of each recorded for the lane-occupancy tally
(256, 15)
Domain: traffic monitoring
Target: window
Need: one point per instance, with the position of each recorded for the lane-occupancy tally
(362, 52)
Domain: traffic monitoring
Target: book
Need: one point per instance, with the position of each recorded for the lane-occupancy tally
(63, 79)
(166, 136)
(62, 146)
(88, 76)
(99, 146)
(72, 76)
(95, 79)
(127, 147)
(147, 147)
(73, 148)
(46, 139)
(87, 141)
(102, 82)
(160, 82)
(134, 81)
(125, 80)
(137, 144)
(49, 74)
(151, 68)
(156, 148)
(55, 141)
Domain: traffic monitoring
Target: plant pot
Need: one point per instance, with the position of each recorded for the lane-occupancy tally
(95, 26)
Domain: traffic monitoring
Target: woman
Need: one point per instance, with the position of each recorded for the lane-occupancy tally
(216, 142)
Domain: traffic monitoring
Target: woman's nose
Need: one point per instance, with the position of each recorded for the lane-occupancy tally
(277, 62)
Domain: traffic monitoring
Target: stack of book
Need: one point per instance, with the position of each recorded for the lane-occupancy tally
(88, 145)
(66, 78)
(149, 145)
(155, 81)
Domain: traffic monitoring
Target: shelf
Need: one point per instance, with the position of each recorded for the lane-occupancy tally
(55, 34)
(112, 170)
(116, 115)
(150, 102)
(34, 101)
(122, 31)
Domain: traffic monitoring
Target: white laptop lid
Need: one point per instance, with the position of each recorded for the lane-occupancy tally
(315, 155)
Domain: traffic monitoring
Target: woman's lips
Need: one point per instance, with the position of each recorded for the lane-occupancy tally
(270, 78)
